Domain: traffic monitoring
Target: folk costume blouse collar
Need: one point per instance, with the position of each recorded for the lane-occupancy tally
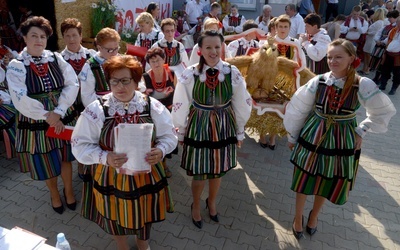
(135, 105)
(67, 54)
(27, 59)
(222, 67)
(331, 80)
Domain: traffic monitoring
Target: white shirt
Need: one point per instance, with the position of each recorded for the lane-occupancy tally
(241, 100)
(317, 48)
(351, 34)
(182, 53)
(4, 96)
(86, 135)
(379, 108)
(297, 26)
(394, 45)
(262, 25)
(30, 107)
(234, 45)
(194, 10)
(238, 29)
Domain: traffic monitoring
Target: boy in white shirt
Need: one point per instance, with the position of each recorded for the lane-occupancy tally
(240, 46)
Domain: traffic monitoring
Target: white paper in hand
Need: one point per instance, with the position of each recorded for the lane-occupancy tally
(135, 141)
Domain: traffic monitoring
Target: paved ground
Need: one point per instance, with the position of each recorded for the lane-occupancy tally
(256, 205)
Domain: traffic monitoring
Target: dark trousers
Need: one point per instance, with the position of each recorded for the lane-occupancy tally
(331, 9)
(387, 69)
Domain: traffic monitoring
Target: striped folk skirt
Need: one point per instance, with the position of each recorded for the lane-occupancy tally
(209, 148)
(325, 159)
(37, 153)
(124, 204)
(7, 123)
(376, 57)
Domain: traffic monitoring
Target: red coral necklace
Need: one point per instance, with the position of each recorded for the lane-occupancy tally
(40, 69)
(212, 81)
(160, 85)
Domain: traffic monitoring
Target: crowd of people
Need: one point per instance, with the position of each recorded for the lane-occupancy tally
(197, 102)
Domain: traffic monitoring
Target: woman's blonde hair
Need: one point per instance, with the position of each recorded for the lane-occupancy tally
(145, 17)
(209, 22)
(351, 72)
(378, 15)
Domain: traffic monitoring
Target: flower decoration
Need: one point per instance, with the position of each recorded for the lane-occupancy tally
(103, 15)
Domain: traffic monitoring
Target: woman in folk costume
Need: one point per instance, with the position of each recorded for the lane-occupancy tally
(233, 22)
(7, 114)
(124, 204)
(148, 34)
(211, 107)
(175, 54)
(76, 55)
(93, 83)
(43, 87)
(315, 44)
(160, 83)
(324, 135)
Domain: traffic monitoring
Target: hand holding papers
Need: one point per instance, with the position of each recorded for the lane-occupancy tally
(135, 141)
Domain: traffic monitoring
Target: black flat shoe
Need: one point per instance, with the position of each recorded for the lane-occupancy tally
(267, 145)
(309, 230)
(71, 206)
(59, 209)
(198, 224)
(212, 217)
(298, 235)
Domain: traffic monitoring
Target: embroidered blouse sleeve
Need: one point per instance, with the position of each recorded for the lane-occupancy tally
(241, 102)
(379, 108)
(184, 55)
(182, 101)
(299, 107)
(86, 135)
(318, 51)
(71, 86)
(232, 48)
(29, 107)
(166, 138)
(88, 83)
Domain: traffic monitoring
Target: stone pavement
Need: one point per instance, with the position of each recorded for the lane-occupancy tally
(255, 204)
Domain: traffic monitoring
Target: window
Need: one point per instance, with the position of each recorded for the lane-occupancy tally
(245, 4)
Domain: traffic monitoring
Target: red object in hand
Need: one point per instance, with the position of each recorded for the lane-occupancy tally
(64, 135)
(136, 50)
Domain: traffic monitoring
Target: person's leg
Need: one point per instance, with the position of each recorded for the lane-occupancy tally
(54, 194)
(396, 80)
(367, 59)
(213, 186)
(327, 13)
(197, 190)
(122, 242)
(66, 175)
(142, 244)
(318, 203)
(272, 139)
(386, 72)
(298, 218)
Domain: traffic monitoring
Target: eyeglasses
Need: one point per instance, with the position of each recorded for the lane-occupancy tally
(124, 81)
(110, 50)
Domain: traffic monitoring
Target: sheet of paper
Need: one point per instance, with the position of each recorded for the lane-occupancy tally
(135, 141)
(20, 239)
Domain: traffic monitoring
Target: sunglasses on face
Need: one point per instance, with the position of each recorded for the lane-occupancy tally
(110, 50)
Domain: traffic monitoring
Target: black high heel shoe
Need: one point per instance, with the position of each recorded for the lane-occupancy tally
(59, 209)
(298, 235)
(198, 224)
(212, 217)
(71, 206)
(310, 230)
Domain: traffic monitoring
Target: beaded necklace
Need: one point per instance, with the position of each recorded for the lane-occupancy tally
(159, 86)
(212, 80)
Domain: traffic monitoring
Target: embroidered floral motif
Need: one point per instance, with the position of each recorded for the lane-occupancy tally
(101, 155)
(27, 59)
(15, 69)
(249, 101)
(91, 114)
(19, 94)
(74, 141)
(176, 106)
(158, 106)
(135, 105)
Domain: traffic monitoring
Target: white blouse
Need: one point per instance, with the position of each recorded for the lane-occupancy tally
(379, 108)
(317, 48)
(241, 99)
(32, 108)
(86, 135)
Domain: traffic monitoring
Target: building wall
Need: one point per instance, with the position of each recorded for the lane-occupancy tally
(79, 9)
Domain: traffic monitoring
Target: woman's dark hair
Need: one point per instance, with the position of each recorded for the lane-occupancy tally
(152, 6)
(393, 13)
(39, 22)
(153, 52)
(123, 62)
(207, 33)
(340, 17)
